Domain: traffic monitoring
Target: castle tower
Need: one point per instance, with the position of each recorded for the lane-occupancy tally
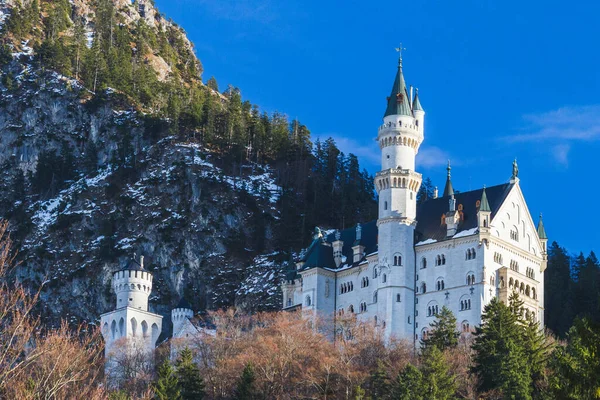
(130, 329)
(182, 312)
(397, 185)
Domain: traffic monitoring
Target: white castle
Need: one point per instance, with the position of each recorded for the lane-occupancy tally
(459, 250)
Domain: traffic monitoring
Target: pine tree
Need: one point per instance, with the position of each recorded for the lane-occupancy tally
(438, 382)
(246, 387)
(426, 191)
(500, 362)
(212, 84)
(409, 384)
(559, 309)
(443, 333)
(577, 364)
(166, 386)
(191, 383)
(379, 383)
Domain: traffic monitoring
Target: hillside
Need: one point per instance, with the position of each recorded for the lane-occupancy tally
(111, 145)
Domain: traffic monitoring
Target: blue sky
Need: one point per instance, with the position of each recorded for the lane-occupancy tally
(497, 79)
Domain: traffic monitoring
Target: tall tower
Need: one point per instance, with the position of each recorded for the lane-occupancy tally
(130, 331)
(397, 185)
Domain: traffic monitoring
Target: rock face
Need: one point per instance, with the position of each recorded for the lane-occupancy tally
(87, 181)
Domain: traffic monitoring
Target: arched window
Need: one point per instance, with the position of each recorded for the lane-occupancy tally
(466, 328)
(423, 262)
(443, 259)
(423, 288)
(473, 254)
(398, 297)
(398, 260)
(363, 307)
(374, 272)
(468, 254)
(351, 308)
(438, 260)
(384, 278)
(307, 301)
(375, 297)
(533, 295)
(289, 302)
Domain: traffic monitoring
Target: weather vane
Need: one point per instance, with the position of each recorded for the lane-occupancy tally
(399, 50)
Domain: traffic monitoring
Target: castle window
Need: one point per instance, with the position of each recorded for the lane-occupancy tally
(470, 279)
(351, 308)
(409, 319)
(307, 301)
(385, 205)
(375, 297)
(384, 278)
(514, 234)
(289, 302)
(466, 327)
(397, 260)
(498, 258)
(440, 284)
(374, 272)
(423, 262)
(423, 287)
(363, 307)
(398, 297)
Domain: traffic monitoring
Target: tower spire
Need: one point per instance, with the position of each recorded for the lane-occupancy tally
(398, 101)
(541, 230)
(484, 204)
(448, 189)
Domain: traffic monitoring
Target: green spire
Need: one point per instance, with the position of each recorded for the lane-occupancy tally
(398, 102)
(417, 103)
(540, 229)
(448, 189)
(484, 205)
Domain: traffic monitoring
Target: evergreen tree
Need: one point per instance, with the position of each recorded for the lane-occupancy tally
(559, 309)
(166, 386)
(212, 84)
(443, 333)
(246, 387)
(409, 384)
(379, 384)
(500, 362)
(426, 191)
(191, 383)
(438, 382)
(577, 364)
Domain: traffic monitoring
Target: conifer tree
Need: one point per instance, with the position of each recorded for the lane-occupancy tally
(409, 384)
(212, 84)
(500, 362)
(443, 333)
(559, 310)
(577, 365)
(380, 387)
(166, 386)
(438, 382)
(191, 383)
(246, 387)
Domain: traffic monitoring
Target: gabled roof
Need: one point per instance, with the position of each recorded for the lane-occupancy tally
(430, 212)
(398, 102)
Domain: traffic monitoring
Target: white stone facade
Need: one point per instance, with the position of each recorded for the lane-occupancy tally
(468, 249)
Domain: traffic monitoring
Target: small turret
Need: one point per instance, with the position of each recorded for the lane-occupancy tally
(484, 212)
(358, 249)
(133, 285)
(182, 312)
(418, 111)
(452, 217)
(541, 231)
(448, 189)
(337, 247)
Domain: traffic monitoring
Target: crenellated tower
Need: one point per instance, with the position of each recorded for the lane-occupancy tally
(397, 185)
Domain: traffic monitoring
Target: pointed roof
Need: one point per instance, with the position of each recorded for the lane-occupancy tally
(541, 230)
(448, 189)
(484, 205)
(417, 103)
(398, 102)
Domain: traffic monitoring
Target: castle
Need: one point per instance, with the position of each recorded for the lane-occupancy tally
(457, 250)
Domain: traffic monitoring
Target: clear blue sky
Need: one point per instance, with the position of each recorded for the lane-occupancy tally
(497, 79)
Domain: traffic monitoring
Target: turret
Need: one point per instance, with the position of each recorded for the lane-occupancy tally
(541, 231)
(484, 212)
(133, 285)
(182, 312)
(358, 249)
(337, 247)
(452, 217)
(418, 112)
(448, 189)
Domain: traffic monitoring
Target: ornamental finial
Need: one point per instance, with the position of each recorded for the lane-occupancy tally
(515, 169)
(399, 50)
